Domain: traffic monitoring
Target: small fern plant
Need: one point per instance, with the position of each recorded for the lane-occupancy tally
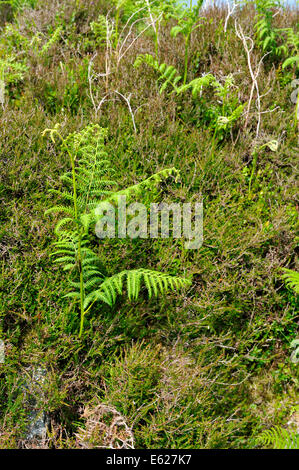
(230, 109)
(17, 43)
(279, 438)
(53, 39)
(168, 74)
(293, 49)
(169, 77)
(19, 5)
(188, 21)
(13, 41)
(279, 42)
(268, 37)
(103, 31)
(89, 183)
(291, 279)
(11, 72)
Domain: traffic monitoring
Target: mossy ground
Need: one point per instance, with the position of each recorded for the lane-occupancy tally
(207, 368)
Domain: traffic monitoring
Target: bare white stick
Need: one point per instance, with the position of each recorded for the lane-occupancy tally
(153, 22)
(133, 41)
(127, 101)
(254, 75)
(90, 80)
(230, 12)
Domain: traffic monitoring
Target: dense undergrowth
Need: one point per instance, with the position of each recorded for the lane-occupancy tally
(206, 367)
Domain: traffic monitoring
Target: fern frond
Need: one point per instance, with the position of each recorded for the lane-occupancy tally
(64, 259)
(103, 30)
(60, 208)
(223, 122)
(92, 175)
(75, 295)
(11, 71)
(148, 183)
(291, 279)
(291, 61)
(198, 84)
(280, 438)
(168, 73)
(135, 190)
(53, 40)
(155, 282)
(68, 196)
(62, 223)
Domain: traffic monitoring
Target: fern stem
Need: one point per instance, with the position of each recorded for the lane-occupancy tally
(82, 293)
(187, 39)
(72, 159)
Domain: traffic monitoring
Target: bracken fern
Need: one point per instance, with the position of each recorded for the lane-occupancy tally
(168, 74)
(268, 37)
(293, 46)
(291, 279)
(280, 438)
(10, 72)
(88, 184)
